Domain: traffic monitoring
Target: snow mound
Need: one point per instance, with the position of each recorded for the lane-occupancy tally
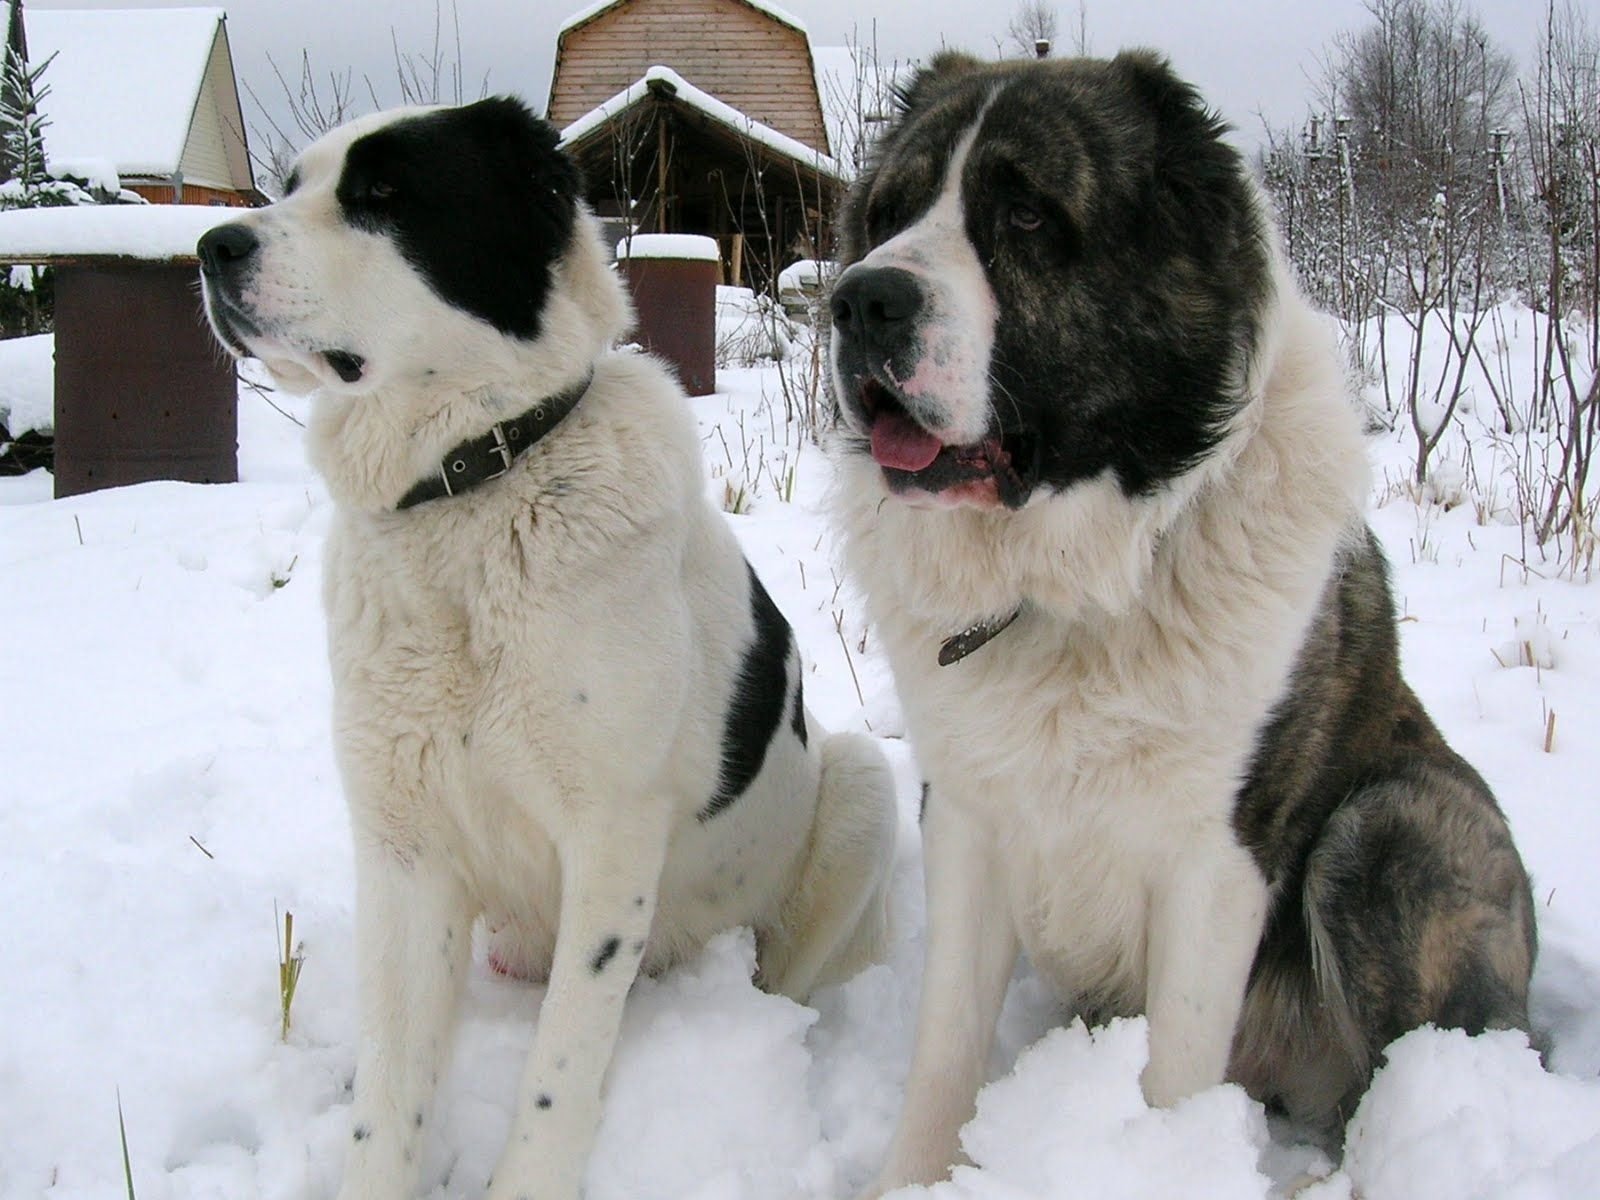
(1070, 1122)
(1451, 1117)
(708, 1092)
(28, 383)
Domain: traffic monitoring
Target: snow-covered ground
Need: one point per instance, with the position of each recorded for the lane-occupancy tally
(169, 792)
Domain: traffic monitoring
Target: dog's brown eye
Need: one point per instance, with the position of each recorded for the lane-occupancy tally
(379, 190)
(1024, 218)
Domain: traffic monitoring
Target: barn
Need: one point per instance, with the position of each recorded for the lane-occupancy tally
(700, 116)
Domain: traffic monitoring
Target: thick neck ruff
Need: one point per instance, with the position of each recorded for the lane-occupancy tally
(490, 456)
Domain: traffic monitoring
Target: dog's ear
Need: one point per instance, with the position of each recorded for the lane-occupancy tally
(944, 70)
(531, 141)
(1198, 177)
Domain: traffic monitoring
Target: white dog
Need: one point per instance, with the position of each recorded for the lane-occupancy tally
(562, 698)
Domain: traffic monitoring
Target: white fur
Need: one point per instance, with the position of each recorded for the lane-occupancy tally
(1083, 764)
(530, 687)
(956, 324)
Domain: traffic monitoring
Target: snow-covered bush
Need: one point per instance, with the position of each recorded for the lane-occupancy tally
(752, 329)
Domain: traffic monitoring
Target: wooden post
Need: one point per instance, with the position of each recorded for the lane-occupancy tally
(776, 250)
(737, 270)
(661, 169)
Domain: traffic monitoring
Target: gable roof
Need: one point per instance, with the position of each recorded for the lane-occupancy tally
(125, 84)
(584, 15)
(730, 121)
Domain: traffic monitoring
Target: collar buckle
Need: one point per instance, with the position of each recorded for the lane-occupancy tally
(501, 447)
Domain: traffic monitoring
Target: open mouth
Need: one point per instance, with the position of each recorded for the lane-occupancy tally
(995, 467)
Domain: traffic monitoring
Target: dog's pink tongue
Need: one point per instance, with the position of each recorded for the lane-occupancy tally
(899, 442)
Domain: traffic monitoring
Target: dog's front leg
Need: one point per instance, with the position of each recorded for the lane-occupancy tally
(609, 878)
(413, 943)
(972, 948)
(1205, 925)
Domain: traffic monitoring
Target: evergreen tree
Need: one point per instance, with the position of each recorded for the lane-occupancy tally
(22, 161)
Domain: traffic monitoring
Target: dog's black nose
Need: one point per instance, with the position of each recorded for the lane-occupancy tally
(878, 305)
(224, 247)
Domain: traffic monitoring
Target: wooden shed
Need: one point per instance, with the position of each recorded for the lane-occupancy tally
(703, 117)
(148, 95)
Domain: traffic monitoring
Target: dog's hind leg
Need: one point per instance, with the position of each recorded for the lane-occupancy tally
(413, 943)
(835, 922)
(611, 873)
(1419, 911)
(972, 949)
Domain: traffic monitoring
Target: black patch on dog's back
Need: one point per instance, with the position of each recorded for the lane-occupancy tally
(797, 719)
(756, 708)
(478, 199)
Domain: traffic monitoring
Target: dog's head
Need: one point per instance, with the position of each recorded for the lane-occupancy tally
(414, 245)
(1055, 270)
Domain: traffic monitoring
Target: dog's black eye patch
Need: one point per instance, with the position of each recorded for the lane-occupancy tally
(479, 200)
(292, 182)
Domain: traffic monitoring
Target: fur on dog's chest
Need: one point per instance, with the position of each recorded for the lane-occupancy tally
(1094, 795)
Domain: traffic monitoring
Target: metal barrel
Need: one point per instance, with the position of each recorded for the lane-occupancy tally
(142, 390)
(673, 281)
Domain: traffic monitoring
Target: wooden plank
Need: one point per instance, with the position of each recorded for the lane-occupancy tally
(714, 44)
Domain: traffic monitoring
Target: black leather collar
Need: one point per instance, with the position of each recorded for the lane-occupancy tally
(953, 649)
(481, 459)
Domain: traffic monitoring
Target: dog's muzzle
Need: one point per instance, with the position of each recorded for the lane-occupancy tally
(226, 254)
(876, 314)
(225, 250)
(877, 317)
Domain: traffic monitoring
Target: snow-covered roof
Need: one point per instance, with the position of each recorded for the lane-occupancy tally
(124, 82)
(589, 12)
(157, 232)
(692, 246)
(710, 106)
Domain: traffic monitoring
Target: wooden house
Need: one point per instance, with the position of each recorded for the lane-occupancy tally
(700, 116)
(147, 96)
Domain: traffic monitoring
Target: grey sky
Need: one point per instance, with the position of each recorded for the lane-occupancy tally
(1245, 55)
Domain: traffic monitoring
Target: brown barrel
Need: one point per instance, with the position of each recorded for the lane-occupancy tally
(142, 390)
(676, 302)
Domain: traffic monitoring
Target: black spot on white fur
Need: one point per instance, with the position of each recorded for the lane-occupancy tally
(755, 710)
(507, 178)
(608, 951)
(797, 716)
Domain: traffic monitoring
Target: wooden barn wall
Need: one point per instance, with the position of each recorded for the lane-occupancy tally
(742, 57)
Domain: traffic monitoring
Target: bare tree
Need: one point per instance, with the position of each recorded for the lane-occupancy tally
(317, 103)
(1080, 31)
(1034, 22)
(859, 104)
(1561, 120)
(1421, 88)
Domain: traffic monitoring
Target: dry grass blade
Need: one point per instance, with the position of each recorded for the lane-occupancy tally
(290, 960)
(127, 1162)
